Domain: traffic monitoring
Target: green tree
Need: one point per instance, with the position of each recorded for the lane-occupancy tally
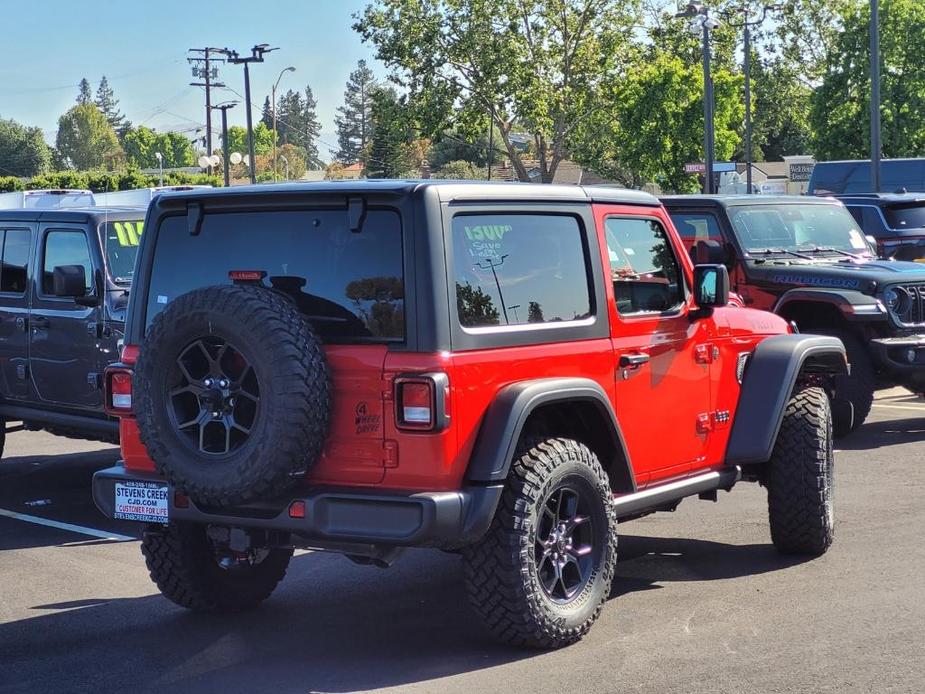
(107, 103)
(84, 95)
(390, 153)
(86, 140)
(354, 118)
(266, 114)
(263, 139)
(652, 124)
(807, 33)
(23, 151)
(297, 122)
(456, 145)
(460, 170)
(840, 114)
(475, 307)
(141, 144)
(535, 312)
(530, 65)
(780, 111)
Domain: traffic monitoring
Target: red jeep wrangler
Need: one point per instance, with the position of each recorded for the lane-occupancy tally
(504, 370)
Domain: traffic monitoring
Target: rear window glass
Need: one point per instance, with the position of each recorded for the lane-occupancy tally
(905, 216)
(121, 239)
(349, 285)
(515, 269)
(16, 246)
(693, 227)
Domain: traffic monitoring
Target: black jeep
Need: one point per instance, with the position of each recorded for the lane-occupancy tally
(807, 260)
(64, 287)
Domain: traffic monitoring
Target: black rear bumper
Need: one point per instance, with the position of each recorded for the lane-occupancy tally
(335, 517)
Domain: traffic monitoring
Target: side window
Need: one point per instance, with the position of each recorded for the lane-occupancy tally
(645, 272)
(696, 226)
(514, 269)
(16, 246)
(857, 213)
(65, 248)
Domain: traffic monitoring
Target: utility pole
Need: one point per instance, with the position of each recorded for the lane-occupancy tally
(744, 10)
(875, 95)
(203, 69)
(492, 266)
(225, 155)
(256, 56)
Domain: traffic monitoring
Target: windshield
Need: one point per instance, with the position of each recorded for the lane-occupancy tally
(797, 227)
(121, 243)
(905, 216)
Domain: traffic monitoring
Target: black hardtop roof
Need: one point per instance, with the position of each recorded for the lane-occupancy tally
(448, 191)
(71, 214)
(738, 200)
(888, 198)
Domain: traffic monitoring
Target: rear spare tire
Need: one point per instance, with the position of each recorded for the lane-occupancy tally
(232, 394)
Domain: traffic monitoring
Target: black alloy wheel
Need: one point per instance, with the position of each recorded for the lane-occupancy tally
(564, 544)
(214, 398)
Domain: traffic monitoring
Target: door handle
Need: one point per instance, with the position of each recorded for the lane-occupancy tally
(633, 361)
(38, 322)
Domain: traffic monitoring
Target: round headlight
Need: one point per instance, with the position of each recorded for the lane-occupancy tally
(892, 299)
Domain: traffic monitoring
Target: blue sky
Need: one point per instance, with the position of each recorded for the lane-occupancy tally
(141, 48)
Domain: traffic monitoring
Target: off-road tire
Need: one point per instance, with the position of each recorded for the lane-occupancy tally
(289, 430)
(854, 392)
(500, 571)
(800, 476)
(181, 561)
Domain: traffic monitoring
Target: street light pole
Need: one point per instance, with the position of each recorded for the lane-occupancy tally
(273, 106)
(875, 95)
(492, 266)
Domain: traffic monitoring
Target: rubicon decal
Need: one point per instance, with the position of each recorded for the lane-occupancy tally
(837, 282)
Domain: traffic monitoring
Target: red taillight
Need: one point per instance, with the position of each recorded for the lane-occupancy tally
(118, 400)
(297, 509)
(421, 402)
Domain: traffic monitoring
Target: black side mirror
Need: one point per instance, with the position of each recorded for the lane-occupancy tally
(711, 286)
(709, 252)
(69, 281)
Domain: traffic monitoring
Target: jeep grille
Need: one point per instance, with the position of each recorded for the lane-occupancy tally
(910, 309)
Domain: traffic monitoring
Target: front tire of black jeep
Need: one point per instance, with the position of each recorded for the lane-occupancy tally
(800, 476)
(854, 393)
(192, 572)
(542, 573)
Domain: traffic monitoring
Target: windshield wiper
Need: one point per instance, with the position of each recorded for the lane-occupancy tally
(831, 249)
(783, 251)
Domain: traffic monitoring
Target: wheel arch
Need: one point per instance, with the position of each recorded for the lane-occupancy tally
(569, 407)
(773, 370)
(814, 308)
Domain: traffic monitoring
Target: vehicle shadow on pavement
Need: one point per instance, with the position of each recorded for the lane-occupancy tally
(884, 433)
(646, 561)
(331, 627)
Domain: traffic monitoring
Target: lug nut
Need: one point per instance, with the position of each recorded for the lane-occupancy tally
(223, 383)
(208, 382)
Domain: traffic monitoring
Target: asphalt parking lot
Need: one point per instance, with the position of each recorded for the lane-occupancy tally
(701, 602)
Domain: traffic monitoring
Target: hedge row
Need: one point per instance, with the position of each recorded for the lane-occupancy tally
(101, 181)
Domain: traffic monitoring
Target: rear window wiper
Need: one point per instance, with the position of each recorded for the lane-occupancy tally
(783, 251)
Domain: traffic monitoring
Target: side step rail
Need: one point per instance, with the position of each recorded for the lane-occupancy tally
(665, 494)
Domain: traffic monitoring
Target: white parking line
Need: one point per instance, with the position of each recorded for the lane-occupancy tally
(92, 532)
(914, 408)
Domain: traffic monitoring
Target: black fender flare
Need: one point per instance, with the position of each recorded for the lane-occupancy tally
(853, 305)
(770, 375)
(504, 421)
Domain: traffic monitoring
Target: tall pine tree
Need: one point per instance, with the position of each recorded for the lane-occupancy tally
(297, 122)
(266, 116)
(109, 105)
(354, 119)
(390, 154)
(84, 96)
(311, 127)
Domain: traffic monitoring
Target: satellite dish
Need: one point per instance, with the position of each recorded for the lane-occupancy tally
(204, 162)
(214, 160)
(236, 157)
